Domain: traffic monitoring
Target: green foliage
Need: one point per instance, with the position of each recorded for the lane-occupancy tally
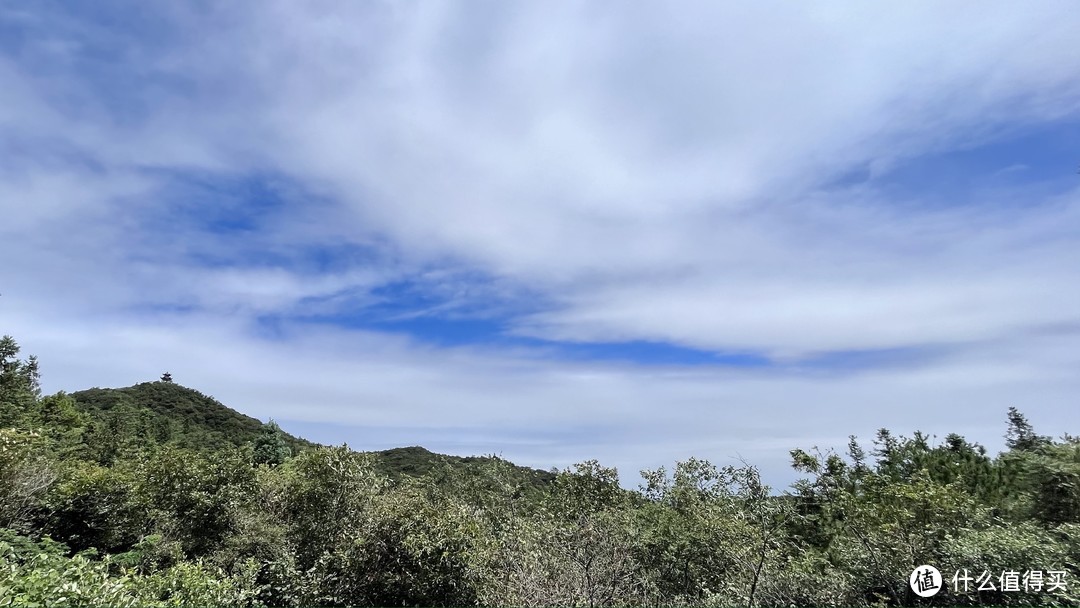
(21, 547)
(1049, 479)
(715, 533)
(197, 584)
(19, 386)
(1021, 436)
(194, 497)
(590, 488)
(166, 412)
(37, 575)
(46, 579)
(398, 463)
(26, 474)
(59, 419)
(408, 550)
(92, 506)
(270, 446)
(998, 549)
(321, 482)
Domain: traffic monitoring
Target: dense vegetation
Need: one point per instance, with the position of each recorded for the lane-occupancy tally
(119, 420)
(176, 502)
(165, 412)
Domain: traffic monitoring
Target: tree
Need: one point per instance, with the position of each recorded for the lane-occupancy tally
(122, 431)
(1047, 482)
(26, 474)
(414, 546)
(196, 498)
(94, 506)
(270, 446)
(326, 492)
(19, 387)
(1021, 435)
(58, 418)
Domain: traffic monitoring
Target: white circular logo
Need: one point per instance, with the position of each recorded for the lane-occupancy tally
(925, 581)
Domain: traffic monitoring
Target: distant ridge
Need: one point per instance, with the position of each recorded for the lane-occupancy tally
(171, 413)
(416, 461)
(197, 420)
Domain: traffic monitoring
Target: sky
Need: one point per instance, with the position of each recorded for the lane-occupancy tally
(553, 231)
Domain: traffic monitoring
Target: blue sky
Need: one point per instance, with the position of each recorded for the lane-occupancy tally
(555, 233)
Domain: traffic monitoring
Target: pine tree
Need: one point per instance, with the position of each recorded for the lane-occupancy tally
(1021, 435)
(270, 446)
(19, 382)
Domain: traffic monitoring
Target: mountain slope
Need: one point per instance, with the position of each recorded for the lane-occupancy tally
(417, 461)
(173, 412)
(166, 412)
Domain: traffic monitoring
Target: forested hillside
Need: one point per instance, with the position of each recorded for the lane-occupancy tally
(165, 412)
(162, 413)
(156, 495)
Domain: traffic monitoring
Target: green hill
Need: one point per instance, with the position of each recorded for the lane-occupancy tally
(417, 461)
(167, 411)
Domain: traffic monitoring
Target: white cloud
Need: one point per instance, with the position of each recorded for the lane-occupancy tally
(589, 151)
